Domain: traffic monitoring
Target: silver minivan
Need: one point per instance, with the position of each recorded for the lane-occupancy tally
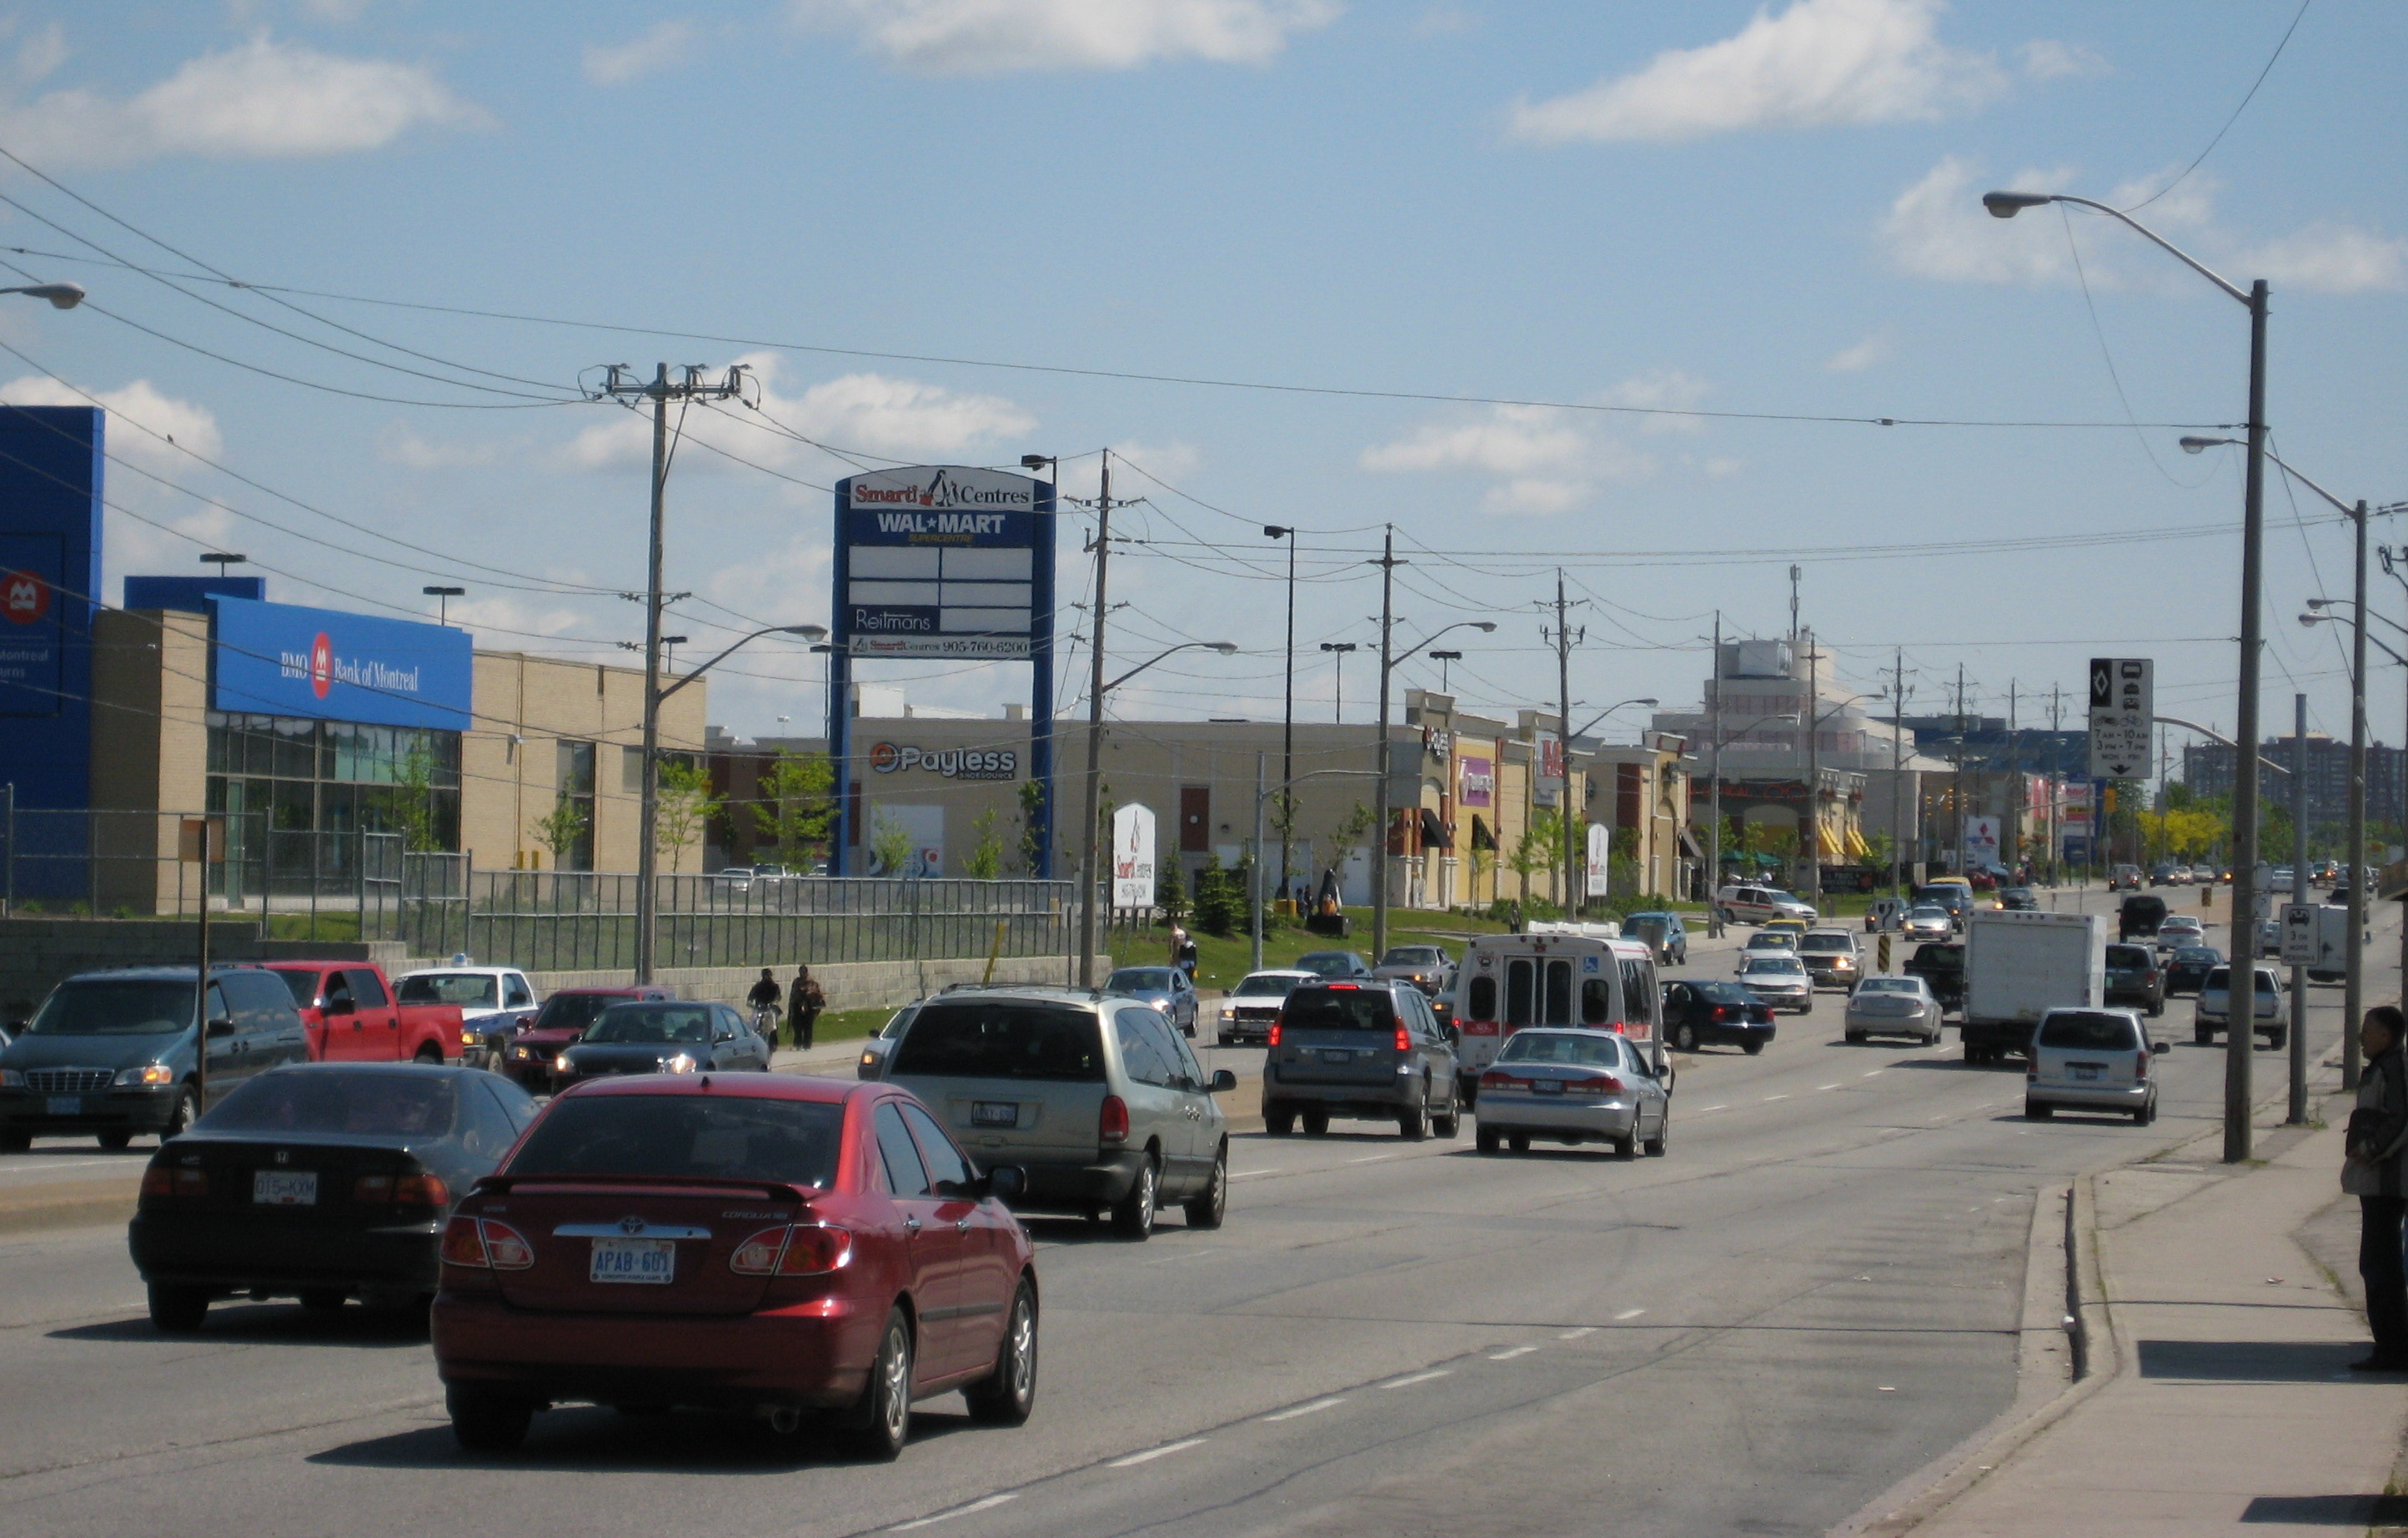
(2084, 1059)
(1094, 1094)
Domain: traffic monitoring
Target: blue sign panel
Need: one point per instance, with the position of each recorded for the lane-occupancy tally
(32, 639)
(50, 462)
(191, 595)
(324, 665)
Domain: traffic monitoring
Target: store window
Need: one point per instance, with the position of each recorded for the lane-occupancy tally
(296, 796)
(574, 780)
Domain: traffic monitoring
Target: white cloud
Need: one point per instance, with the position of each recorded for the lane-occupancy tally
(2045, 59)
(1510, 440)
(193, 426)
(398, 445)
(1863, 355)
(990, 37)
(2329, 259)
(1535, 495)
(667, 44)
(1938, 228)
(1544, 459)
(1817, 63)
(258, 100)
(41, 53)
(1667, 389)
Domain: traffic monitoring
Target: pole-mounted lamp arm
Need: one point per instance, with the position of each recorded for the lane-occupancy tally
(1224, 647)
(808, 632)
(2007, 204)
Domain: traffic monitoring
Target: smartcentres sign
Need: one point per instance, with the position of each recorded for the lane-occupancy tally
(323, 665)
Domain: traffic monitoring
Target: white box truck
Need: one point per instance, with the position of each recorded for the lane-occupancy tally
(2018, 966)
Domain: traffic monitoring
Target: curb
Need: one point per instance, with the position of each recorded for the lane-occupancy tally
(79, 1213)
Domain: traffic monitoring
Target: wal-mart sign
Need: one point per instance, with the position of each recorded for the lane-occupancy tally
(324, 665)
(943, 561)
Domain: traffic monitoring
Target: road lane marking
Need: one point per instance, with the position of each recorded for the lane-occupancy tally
(1704, 1109)
(1576, 1334)
(1629, 1313)
(1873, 1073)
(1418, 1377)
(1510, 1352)
(1371, 1158)
(1770, 1098)
(1314, 1408)
(1152, 1453)
(1819, 1088)
(989, 1503)
(1248, 1175)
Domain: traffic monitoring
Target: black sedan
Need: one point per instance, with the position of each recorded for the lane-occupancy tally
(664, 1037)
(322, 1180)
(2187, 970)
(1723, 1013)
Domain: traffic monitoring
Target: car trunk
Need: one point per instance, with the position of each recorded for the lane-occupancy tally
(1001, 1120)
(614, 1246)
(1012, 1078)
(261, 1187)
(1338, 1036)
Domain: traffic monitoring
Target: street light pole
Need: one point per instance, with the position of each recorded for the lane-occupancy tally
(1287, 728)
(1715, 787)
(2298, 1116)
(1095, 731)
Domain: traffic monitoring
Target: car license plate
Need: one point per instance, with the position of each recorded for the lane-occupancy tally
(2084, 1071)
(1546, 1086)
(64, 1105)
(994, 1114)
(633, 1260)
(285, 1189)
(1337, 1054)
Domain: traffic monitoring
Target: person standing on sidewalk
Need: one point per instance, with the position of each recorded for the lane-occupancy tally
(804, 1002)
(2378, 1129)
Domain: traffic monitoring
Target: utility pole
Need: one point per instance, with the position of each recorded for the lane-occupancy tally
(1095, 732)
(1957, 797)
(1814, 724)
(1714, 785)
(2056, 762)
(1572, 896)
(2298, 1116)
(2354, 992)
(1387, 563)
(622, 385)
(1897, 771)
(2016, 799)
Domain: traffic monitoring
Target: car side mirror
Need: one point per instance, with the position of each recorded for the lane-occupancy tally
(723, 1034)
(2160, 1048)
(1006, 1182)
(1223, 1081)
(340, 1004)
(221, 1026)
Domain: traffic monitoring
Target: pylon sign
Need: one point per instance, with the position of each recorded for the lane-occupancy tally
(2122, 706)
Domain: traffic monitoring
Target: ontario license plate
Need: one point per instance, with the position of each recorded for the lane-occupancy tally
(1337, 1054)
(2086, 1071)
(1546, 1086)
(285, 1189)
(994, 1114)
(64, 1105)
(633, 1260)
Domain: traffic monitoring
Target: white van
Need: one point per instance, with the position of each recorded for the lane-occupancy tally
(1507, 982)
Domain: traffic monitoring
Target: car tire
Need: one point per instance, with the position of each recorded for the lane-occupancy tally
(2156, 1008)
(429, 1052)
(2203, 1035)
(1413, 1125)
(1518, 1141)
(1685, 1037)
(881, 1421)
(1486, 1139)
(1855, 1038)
(1447, 1123)
(178, 1310)
(1655, 1146)
(1751, 1048)
(486, 1422)
(1316, 1124)
(2276, 1039)
(1627, 1148)
(322, 1299)
(2144, 1115)
(1006, 1396)
(1280, 1122)
(117, 1142)
(180, 1116)
(1133, 1214)
(2034, 1111)
(1209, 1206)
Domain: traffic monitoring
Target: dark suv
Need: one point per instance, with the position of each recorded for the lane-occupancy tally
(1941, 963)
(2139, 917)
(1368, 1049)
(2134, 977)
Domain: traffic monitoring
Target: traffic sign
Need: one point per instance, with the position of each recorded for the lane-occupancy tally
(2121, 703)
(2299, 933)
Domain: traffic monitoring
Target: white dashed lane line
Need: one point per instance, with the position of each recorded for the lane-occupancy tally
(1629, 1313)
(989, 1503)
(1770, 1098)
(1576, 1334)
(1819, 1088)
(1314, 1408)
(1510, 1352)
(1417, 1377)
(1152, 1453)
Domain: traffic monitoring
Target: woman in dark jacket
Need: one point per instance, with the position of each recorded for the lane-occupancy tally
(2378, 1130)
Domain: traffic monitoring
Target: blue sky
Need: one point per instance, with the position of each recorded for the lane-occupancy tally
(1712, 206)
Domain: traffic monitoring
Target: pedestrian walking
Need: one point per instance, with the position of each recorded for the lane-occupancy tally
(1179, 941)
(2378, 1131)
(1187, 958)
(804, 1002)
(763, 1001)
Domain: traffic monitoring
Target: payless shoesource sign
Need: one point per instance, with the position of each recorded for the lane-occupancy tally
(952, 762)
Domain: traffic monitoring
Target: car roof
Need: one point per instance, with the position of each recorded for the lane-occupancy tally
(752, 1086)
(458, 972)
(1049, 992)
(647, 990)
(1310, 955)
(1283, 971)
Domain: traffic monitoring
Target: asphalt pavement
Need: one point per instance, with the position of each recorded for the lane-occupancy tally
(1814, 1294)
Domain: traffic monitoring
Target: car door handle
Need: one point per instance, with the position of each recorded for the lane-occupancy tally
(961, 1225)
(912, 1224)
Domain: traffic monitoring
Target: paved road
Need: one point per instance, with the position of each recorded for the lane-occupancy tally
(1814, 1294)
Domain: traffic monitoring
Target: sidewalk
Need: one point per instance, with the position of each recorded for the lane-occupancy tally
(2226, 1402)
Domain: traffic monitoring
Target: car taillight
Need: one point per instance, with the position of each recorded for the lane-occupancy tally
(1112, 1125)
(485, 1244)
(1404, 1040)
(160, 1180)
(795, 1249)
(1722, 1012)
(421, 1191)
(2140, 1065)
(1603, 1083)
(372, 1188)
(1493, 1079)
(1273, 1040)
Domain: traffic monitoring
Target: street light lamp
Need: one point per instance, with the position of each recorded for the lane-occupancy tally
(443, 596)
(1337, 694)
(61, 296)
(2006, 204)
(222, 559)
(1443, 658)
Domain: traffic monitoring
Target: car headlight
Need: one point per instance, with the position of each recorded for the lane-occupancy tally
(521, 1054)
(149, 1073)
(11, 1079)
(562, 1065)
(682, 1063)
(469, 1038)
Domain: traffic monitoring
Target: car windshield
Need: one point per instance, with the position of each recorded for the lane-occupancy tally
(1411, 956)
(1327, 963)
(2088, 1030)
(1551, 1046)
(469, 990)
(1887, 985)
(574, 1010)
(115, 1007)
(1340, 1009)
(303, 986)
(358, 1103)
(1132, 978)
(1931, 911)
(1827, 942)
(715, 1137)
(1772, 940)
(2198, 956)
(1770, 964)
(1000, 1038)
(652, 1025)
(1266, 985)
(2127, 956)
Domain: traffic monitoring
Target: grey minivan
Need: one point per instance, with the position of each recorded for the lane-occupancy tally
(111, 1054)
(1094, 1094)
(1369, 1050)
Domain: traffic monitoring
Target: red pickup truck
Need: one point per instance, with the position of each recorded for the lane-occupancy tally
(349, 1010)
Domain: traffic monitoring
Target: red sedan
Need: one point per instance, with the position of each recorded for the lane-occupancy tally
(764, 1243)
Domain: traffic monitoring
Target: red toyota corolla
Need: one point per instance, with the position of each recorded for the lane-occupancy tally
(755, 1241)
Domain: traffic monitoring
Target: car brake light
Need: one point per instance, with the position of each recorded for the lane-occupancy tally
(463, 1245)
(158, 1180)
(796, 1249)
(1112, 1125)
(2140, 1065)
(488, 1246)
(421, 1191)
(1404, 1040)
(1603, 1083)
(1273, 1040)
(1351, 987)
(1496, 1079)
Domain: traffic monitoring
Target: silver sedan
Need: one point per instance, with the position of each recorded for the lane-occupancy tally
(1928, 921)
(1781, 980)
(1893, 1006)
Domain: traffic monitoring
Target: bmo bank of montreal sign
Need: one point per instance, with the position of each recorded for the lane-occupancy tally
(323, 665)
(943, 561)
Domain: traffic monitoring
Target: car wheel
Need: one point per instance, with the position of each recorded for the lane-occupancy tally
(1486, 1140)
(1855, 1038)
(186, 1110)
(2275, 1038)
(883, 1419)
(1628, 1147)
(1279, 1123)
(1133, 1214)
(1005, 1397)
(116, 1142)
(1316, 1124)
(487, 1422)
(2203, 1035)
(1685, 1037)
(1751, 1048)
(1206, 1209)
(2034, 1111)
(2156, 1008)
(1411, 1124)
(322, 1300)
(1447, 1123)
(16, 1142)
(1519, 1142)
(1663, 1138)
(178, 1310)
(2144, 1115)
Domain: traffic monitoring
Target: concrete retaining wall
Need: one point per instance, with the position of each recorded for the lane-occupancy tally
(848, 985)
(36, 953)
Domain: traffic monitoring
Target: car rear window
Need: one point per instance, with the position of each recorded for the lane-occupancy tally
(1002, 1040)
(2087, 1032)
(474, 990)
(652, 1025)
(1138, 977)
(2128, 955)
(1259, 987)
(1340, 1009)
(1545, 1046)
(712, 1137)
(366, 1103)
(574, 1010)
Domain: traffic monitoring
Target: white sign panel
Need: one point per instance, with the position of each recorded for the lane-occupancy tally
(942, 561)
(2122, 701)
(2299, 933)
(924, 825)
(1981, 841)
(1601, 854)
(1133, 857)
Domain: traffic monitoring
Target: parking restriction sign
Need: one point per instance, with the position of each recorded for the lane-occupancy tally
(2122, 701)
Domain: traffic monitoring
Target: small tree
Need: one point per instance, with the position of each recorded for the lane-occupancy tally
(890, 845)
(792, 813)
(1170, 890)
(1032, 837)
(1342, 837)
(682, 806)
(985, 859)
(1220, 902)
(561, 829)
(409, 806)
(1540, 846)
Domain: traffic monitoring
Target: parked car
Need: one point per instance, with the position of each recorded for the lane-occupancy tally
(1725, 1013)
(1095, 1098)
(664, 1036)
(2133, 978)
(1254, 1005)
(2139, 916)
(1423, 966)
(1573, 1086)
(773, 1242)
(1928, 920)
(113, 1055)
(1663, 930)
(1167, 989)
(1893, 1006)
(321, 1181)
(1832, 957)
(2085, 1060)
(2018, 899)
(1781, 980)
(560, 1024)
(1339, 965)
(494, 1004)
(1885, 915)
(2187, 970)
(349, 1010)
(2214, 1010)
(1373, 1052)
(1746, 903)
(1941, 964)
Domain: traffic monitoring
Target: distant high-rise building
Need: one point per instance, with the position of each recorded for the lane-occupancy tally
(2207, 770)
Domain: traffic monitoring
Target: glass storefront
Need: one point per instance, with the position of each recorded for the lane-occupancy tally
(296, 794)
